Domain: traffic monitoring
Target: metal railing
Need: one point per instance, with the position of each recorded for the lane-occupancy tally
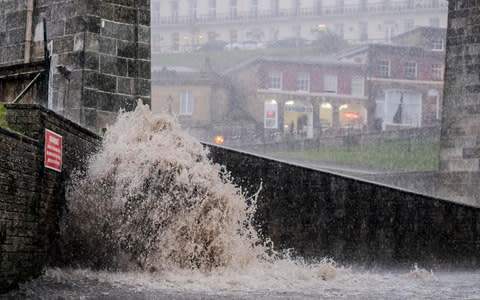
(346, 10)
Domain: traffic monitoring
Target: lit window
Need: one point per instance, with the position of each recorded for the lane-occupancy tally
(186, 103)
(303, 82)
(358, 86)
(275, 80)
(438, 44)
(410, 70)
(437, 72)
(384, 68)
(271, 114)
(330, 84)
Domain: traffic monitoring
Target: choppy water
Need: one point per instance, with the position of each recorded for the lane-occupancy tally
(171, 225)
(417, 284)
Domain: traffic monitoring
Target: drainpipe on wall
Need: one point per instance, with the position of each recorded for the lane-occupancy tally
(28, 31)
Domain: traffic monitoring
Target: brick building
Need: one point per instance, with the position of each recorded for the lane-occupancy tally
(100, 55)
(405, 83)
(302, 96)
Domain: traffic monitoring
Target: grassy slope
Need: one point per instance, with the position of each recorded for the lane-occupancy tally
(423, 155)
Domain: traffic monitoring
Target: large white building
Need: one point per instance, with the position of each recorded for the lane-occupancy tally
(183, 25)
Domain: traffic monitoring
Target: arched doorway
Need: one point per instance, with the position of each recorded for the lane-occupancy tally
(298, 118)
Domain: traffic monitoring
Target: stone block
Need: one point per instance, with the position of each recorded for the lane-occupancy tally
(113, 65)
(124, 14)
(142, 87)
(127, 49)
(140, 69)
(107, 45)
(16, 19)
(118, 31)
(125, 85)
(144, 51)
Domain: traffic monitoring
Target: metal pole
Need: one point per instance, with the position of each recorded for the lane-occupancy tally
(47, 58)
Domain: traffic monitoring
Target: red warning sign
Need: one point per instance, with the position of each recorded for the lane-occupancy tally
(53, 150)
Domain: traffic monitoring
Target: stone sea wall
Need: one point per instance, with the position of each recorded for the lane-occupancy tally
(359, 222)
(31, 196)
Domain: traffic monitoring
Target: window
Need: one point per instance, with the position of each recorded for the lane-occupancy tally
(296, 6)
(330, 84)
(403, 107)
(303, 82)
(363, 5)
(437, 72)
(408, 24)
(233, 9)
(411, 70)
(254, 8)
(384, 68)
(358, 86)
(192, 7)
(275, 6)
(186, 103)
(363, 31)
(212, 9)
(175, 41)
(233, 36)
(174, 11)
(437, 44)
(271, 114)
(319, 6)
(339, 6)
(434, 22)
(275, 80)
(389, 31)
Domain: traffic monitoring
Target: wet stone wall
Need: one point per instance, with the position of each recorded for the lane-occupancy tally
(353, 221)
(460, 134)
(31, 196)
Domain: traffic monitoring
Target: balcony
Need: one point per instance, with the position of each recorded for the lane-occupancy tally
(261, 15)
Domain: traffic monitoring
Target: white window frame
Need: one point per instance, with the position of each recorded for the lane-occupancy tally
(330, 84)
(303, 82)
(437, 72)
(186, 103)
(273, 76)
(437, 45)
(409, 66)
(381, 68)
(358, 86)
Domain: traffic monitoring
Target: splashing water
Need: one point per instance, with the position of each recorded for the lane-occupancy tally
(151, 199)
(151, 208)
